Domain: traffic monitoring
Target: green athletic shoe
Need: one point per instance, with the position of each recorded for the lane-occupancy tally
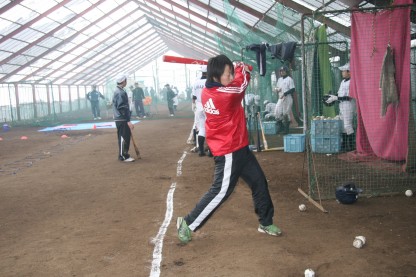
(272, 230)
(184, 233)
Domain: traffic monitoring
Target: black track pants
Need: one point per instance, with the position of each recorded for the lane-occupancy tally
(241, 163)
(123, 135)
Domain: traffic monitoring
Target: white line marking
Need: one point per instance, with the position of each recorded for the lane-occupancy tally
(158, 240)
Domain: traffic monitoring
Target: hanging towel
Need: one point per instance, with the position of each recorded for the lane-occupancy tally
(260, 50)
(387, 81)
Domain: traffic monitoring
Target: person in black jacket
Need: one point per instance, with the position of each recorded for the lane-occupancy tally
(138, 96)
(94, 96)
(122, 114)
(170, 95)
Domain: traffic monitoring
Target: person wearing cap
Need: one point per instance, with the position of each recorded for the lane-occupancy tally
(285, 87)
(138, 96)
(199, 120)
(170, 95)
(346, 108)
(94, 96)
(122, 114)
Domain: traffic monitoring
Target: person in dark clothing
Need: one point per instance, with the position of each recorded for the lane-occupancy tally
(94, 96)
(122, 114)
(170, 95)
(138, 96)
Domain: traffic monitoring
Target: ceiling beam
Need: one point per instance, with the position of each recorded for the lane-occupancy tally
(324, 20)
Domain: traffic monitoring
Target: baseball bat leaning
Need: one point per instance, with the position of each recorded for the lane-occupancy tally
(266, 147)
(136, 149)
(174, 59)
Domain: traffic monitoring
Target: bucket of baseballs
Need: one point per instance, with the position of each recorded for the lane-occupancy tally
(359, 241)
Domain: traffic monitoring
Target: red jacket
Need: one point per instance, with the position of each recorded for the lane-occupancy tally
(225, 123)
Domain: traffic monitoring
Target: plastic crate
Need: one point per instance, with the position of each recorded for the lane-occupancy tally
(294, 143)
(326, 128)
(331, 144)
(269, 127)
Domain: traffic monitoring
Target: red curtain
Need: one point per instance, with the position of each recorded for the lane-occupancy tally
(382, 136)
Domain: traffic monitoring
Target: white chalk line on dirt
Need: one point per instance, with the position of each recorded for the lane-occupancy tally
(158, 240)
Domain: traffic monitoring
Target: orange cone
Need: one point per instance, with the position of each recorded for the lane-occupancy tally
(23, 138)
(64, 136)
(94, 127)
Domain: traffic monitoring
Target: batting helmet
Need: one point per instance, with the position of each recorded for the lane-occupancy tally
(325, 98)
(347, 193)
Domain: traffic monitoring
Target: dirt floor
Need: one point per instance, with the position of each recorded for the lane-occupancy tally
(68, 207)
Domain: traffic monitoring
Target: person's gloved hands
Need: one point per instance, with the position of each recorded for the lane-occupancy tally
(193, 107)
(331, 99)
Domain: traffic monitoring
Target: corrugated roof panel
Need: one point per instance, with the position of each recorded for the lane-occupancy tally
(258, 5)
(64, 33)
(28, 35)
(21, 59)
(7, 26)
(245, 17)
(40, 63)
(4, 54)
(44, 25)
(34, 5)
(198, 10)
(19, 14)
(62, 15)
(217, 4)
(6, 68)
(79, 23)
(12, 45)
(78, 5)
(35, 51)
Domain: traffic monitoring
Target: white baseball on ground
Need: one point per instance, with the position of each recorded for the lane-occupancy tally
(359, 241)
(302, 207)
(309, 273)
(409, 193)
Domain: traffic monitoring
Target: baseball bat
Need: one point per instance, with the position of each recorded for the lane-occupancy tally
(136, 149)
(266, 147)
(174, 59)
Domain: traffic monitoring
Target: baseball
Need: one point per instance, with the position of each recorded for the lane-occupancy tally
(359, 241)
(302, 207)
(409, 192)
(309, 273)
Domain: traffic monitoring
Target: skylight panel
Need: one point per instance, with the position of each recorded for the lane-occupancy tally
(64, 33)
(79, 24)
(12, 45)
(34, 5)
(61, 15)
(7, 27)
(44, 25)
(35, 51)
(19, 14)
(78, 5)
(245, 17)
(258, 5)
(198, 10)
(28, 35)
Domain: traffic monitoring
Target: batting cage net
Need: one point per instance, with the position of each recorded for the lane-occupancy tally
(353, 104)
